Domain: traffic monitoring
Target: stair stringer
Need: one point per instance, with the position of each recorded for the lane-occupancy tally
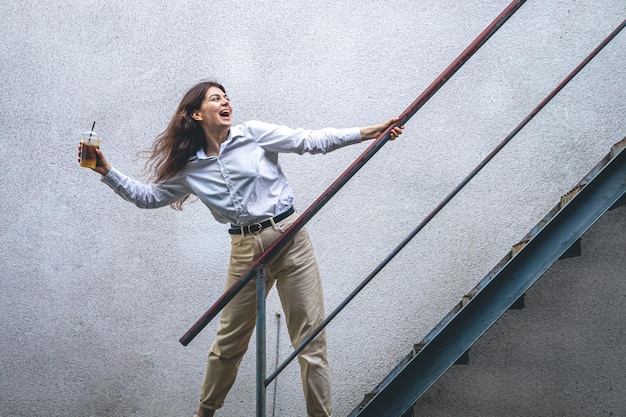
(603, 188)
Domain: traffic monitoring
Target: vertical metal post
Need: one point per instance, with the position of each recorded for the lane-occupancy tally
(260, 342)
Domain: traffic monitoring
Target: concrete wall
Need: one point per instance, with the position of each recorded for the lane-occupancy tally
(95, 292)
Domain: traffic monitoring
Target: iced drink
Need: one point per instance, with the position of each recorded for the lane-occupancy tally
(90, 141)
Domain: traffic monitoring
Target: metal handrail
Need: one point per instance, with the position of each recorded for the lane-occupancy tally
(317, 205)
(258, 267)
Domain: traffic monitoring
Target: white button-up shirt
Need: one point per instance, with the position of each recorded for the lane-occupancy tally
(244, 183)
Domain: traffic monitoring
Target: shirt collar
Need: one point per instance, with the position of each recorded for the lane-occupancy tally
(200, 154)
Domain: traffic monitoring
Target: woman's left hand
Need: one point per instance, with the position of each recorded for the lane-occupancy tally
(372, 132)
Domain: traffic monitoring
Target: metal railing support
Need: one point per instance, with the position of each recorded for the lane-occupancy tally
(261, 343)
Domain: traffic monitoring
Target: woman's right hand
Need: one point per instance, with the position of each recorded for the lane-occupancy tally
(372, 132)
(102, 165)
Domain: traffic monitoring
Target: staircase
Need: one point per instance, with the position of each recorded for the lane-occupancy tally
(555, 236)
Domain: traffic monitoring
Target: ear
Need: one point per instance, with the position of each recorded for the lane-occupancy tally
(196, 115)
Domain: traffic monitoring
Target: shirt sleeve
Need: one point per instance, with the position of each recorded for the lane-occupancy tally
(282, 139)
(146, 195)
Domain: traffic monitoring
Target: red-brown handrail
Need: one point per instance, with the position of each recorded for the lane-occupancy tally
(317, 205)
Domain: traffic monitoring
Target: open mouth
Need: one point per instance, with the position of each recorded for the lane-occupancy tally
(225, 113)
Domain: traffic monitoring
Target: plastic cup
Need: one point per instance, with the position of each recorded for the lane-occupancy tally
(90, 141)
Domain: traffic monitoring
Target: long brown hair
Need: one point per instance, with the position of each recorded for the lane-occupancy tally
(182, 138)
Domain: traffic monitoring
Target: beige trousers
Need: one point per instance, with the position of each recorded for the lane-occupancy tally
(296, 275)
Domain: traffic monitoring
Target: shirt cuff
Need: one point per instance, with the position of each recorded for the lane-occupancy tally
(353, 135)
(112, 178)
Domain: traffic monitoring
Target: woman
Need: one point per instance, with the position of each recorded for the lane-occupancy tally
(234, 170)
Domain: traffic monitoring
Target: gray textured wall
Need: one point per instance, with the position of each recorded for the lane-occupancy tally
(95, 293)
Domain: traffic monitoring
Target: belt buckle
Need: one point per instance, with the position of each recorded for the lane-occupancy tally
(257, 227)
